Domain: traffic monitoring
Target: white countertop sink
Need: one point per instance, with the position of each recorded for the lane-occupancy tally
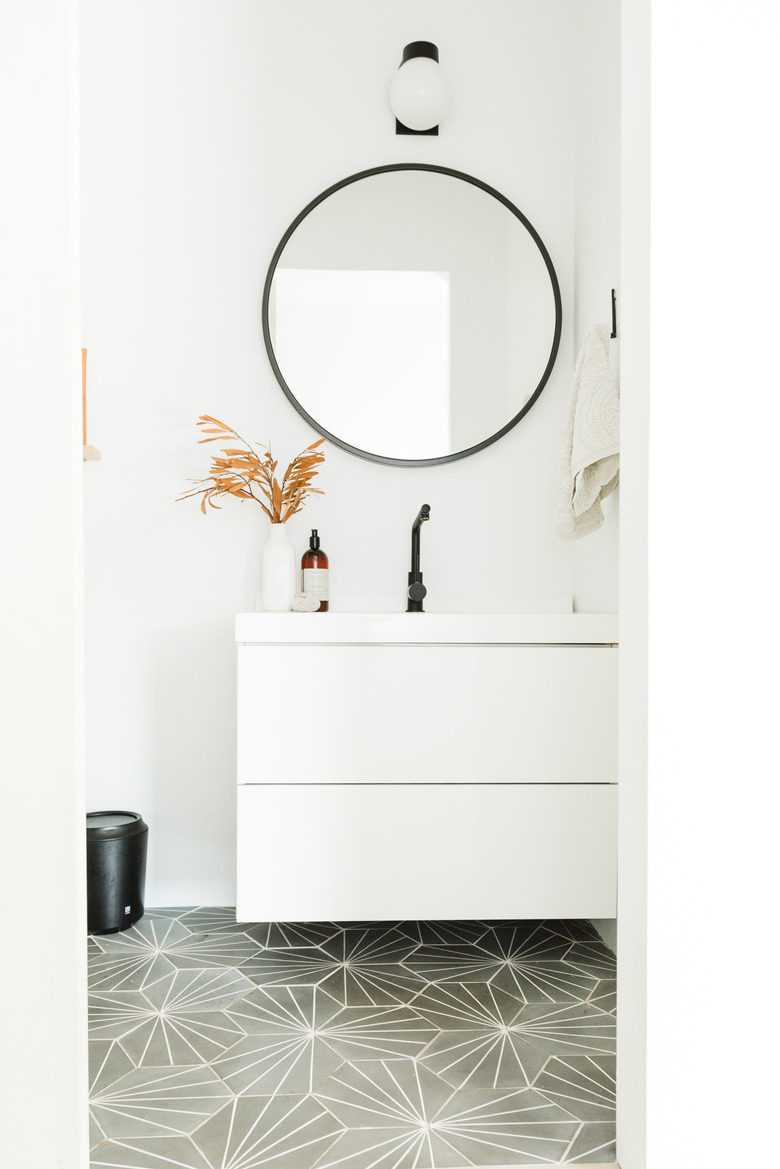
(427, 628)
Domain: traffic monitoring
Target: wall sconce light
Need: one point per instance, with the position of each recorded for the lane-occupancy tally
(419, 95)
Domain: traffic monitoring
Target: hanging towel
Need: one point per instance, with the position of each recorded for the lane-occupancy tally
(590, 458)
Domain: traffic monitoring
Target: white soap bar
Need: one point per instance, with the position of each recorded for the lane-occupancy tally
(304, 603)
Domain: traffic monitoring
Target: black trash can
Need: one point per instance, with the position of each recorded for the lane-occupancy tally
(116, 870)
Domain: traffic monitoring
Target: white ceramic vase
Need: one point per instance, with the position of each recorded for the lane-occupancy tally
(279, 576)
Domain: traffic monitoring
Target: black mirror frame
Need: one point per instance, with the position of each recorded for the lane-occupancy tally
(374, 458)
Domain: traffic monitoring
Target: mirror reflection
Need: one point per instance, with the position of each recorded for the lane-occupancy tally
(412, 314)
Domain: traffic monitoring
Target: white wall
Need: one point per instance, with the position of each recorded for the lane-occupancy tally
(712, 758)
(43, 1078)
(634, 696)
(206, 128)
(699, 628)
(597, 249)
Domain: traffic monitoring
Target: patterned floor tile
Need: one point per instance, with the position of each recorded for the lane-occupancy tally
(151, 1153)
(289, 966)
(220, 948)
(532, 965)
(285, 1050)
(284, 1010)
(577, 930)
(368, 967)
(159, 1101)
(216, 1044)
(115, 1015)
(454, 1006)
(604, 995)
(107, 1064)
(96, 1135)
(484, 1060)
(211, 920)
(176, 1036)
(154, 933)
(259, 1065)
(367, 1032)
(356, 966)
(443, 933)
(366, 925)
(594, 1143)
(415, 1146)
(177, 1022)
(129, 971)
(276, 936)
(282, 1132)
(399, 1114)
(136, 957)
(169, 911)
(582, 1084)
(382, 1094)
(593, 958)
(214, 989)
(505, 1128)
(575, 1030)
(453, 963)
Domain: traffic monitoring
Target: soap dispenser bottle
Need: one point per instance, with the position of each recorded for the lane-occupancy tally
(314, 570)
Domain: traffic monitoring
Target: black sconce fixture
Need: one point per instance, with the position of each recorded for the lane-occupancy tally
(419, 95)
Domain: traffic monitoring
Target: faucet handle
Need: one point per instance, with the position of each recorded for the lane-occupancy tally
(416, 591)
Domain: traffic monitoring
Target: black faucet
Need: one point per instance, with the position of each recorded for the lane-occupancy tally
(416, 590)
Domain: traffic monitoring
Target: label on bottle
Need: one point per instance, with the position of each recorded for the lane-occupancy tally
(315, 581)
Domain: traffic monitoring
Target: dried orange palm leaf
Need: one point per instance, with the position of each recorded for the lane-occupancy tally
(245, 473)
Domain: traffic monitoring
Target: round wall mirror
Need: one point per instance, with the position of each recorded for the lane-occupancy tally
(412, 314)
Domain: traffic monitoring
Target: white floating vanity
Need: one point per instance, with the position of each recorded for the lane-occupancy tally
(426, 766)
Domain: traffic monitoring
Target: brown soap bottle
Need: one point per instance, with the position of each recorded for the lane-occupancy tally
(314, 571)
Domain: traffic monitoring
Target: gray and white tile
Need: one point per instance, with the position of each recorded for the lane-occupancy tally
(506, 1128)
(582, 1084)
(278, 1132)
(387, 1108)
(572, 1030)
(284, 936)
(285, 1049)
(150, 1102)
(136, 957)
(216, 1044)
(593, 958)
(604, 995)
(532, 965)
(358, 1033)
(358, 967)
(593, 1144)
(454, 963)
(443, 933)
(202, 919)
(150, 1153)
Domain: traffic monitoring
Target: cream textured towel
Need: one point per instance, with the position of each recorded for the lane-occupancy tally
(590, 458)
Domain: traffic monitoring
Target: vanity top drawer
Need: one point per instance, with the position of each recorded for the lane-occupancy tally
(427, 714)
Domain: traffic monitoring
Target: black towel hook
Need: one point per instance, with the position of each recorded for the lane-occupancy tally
(613, 334)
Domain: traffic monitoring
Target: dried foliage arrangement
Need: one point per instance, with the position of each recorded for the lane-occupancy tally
(248, 475)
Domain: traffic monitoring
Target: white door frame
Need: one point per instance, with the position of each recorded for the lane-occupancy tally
(43, 994)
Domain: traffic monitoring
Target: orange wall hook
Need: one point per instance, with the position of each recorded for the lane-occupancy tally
(88, 452)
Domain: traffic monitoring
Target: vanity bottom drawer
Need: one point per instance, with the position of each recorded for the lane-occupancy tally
(387, 852)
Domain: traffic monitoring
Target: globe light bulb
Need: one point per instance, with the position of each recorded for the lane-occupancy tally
(419, 95)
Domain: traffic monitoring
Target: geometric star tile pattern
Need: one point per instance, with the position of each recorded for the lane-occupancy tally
(583, 1084)
(217, 1044)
